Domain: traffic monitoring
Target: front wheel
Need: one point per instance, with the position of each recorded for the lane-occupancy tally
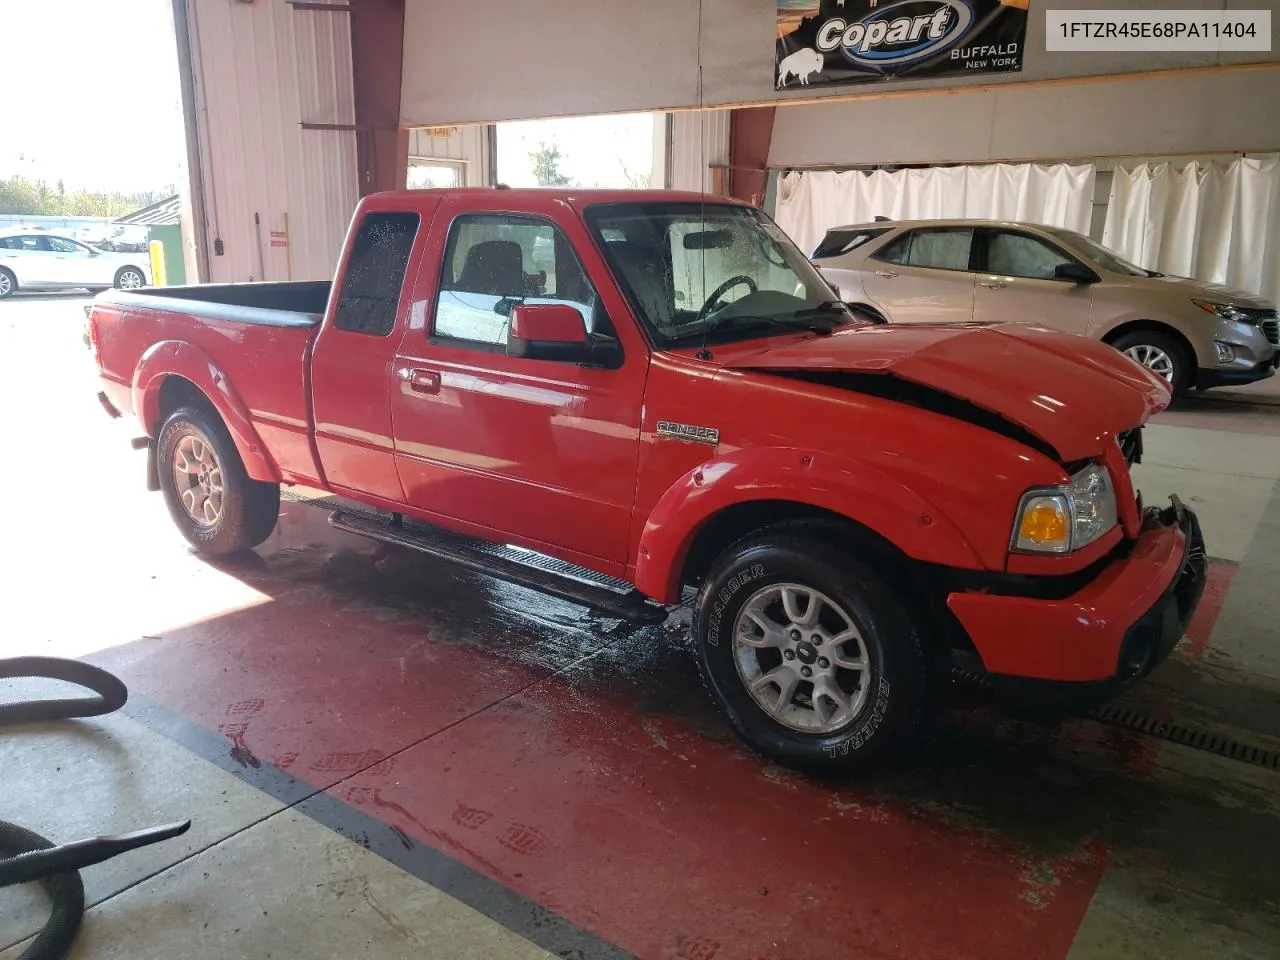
(1159, 353)
(130, 278)
(8, 283)
(216, 505)
(810, 654)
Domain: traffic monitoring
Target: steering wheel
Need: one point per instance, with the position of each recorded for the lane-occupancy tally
(721, 290)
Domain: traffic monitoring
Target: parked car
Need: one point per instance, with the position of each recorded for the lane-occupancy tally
(45, 261)
(673, 399)
(1191, 333)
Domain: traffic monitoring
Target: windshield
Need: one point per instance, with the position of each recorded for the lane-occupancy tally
(1100, 254)
(712, 272)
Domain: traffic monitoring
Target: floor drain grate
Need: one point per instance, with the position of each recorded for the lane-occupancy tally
(1117, 716)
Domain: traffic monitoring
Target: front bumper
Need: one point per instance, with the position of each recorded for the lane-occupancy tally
(1067, 655)
(1206, 378)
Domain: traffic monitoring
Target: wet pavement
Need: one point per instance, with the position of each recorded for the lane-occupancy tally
(424, 761)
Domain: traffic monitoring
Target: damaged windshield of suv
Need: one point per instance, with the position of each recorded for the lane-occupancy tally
(712, 272)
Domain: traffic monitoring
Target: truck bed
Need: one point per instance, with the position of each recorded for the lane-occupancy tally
(256, 336)
(292, 303)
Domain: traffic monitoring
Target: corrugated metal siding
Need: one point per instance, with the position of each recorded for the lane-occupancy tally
(468, 144)
(698, 138)
(261, 70)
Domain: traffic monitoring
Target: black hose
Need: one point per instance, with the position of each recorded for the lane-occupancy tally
(57, 869)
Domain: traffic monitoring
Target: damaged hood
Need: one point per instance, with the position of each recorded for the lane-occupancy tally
(1071, 392)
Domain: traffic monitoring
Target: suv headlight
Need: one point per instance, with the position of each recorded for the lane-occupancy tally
(1066, 518)
(1227, 311)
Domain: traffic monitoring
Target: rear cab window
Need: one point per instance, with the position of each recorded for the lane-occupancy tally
(374, 275)
(935, 248)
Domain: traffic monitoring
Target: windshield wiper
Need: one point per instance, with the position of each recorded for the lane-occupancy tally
(815, 319)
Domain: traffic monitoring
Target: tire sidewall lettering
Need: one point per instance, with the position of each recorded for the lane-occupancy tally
(865, 731)
(726, 595)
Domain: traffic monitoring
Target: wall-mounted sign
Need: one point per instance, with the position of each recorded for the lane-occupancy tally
(442, 133)
(860, 41)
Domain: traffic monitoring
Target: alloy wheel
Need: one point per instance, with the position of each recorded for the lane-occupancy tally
(802, 658)
(197, 477)
(1153, 358)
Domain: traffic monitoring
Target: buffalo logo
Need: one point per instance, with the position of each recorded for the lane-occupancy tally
(897, 35)
(802, 64)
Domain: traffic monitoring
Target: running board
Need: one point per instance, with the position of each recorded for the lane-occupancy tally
(537, 571)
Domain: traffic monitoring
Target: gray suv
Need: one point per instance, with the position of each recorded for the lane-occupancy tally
(1194, 334)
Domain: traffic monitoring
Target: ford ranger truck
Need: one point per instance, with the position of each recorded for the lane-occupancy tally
(616, 397)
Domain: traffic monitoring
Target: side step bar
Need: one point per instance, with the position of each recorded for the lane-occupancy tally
(607, 595)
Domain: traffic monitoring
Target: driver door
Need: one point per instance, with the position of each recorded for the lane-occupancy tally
(540, 452)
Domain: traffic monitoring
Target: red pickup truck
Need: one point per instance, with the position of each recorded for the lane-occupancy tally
(619, 396)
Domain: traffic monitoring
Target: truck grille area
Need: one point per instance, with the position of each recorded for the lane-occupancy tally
(1131, 445)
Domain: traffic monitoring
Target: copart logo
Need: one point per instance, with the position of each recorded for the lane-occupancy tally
(898, 34)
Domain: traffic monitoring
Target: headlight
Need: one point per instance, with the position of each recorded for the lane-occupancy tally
(1066, 518)
(1227, 311)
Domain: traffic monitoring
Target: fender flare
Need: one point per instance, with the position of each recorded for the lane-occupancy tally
(849, 488)
(176, 358)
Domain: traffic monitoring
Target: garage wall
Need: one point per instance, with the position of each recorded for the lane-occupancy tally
(260, 70)
(510, 59)
(698, 138)
(1162, 114)
(466, 145)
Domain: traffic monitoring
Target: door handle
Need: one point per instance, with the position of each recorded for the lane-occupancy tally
(993, 284)
(886, 273)
(421, 381)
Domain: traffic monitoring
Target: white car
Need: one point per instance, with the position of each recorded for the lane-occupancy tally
(44, 261)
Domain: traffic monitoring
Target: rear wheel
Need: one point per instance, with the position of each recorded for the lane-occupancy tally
(810, 654)
(215, 504)
(130, 278)
(1161, 354)
(8, 283)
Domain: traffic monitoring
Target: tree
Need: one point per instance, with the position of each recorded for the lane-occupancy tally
(546, 166)
(18, 195)
(637, 181)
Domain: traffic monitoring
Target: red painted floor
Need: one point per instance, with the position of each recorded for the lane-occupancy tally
(578, 763)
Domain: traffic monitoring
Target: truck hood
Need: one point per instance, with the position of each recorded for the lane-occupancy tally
(1073, 393)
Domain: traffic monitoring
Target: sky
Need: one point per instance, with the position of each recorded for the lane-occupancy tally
(91, 94)
(594, 150)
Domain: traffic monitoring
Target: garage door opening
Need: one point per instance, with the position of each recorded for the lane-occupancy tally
(618, 151)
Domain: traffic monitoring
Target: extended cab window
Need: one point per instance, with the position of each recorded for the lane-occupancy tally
(494, 262)
(945, 248)
(375, 271)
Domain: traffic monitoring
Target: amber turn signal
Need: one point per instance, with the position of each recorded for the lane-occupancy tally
(1045, 525)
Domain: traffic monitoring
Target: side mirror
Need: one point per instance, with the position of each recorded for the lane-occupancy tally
(1075, 273)
(556, 331)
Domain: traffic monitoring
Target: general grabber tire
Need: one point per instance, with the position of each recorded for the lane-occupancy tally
(855, 666)
(215, 504)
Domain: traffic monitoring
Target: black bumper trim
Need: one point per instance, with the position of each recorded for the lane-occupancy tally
(1146, 643)
(108, 406)
(1207, 377)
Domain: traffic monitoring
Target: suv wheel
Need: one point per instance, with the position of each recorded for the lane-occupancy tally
(1161, 354)
(809, 653)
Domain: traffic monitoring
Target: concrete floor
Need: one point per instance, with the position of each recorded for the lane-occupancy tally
(384, 756)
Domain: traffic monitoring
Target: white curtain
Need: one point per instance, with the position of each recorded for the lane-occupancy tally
(1208, 220)
(1059, 195)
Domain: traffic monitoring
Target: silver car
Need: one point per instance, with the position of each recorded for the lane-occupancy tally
(32, 260)
(1193, 334)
